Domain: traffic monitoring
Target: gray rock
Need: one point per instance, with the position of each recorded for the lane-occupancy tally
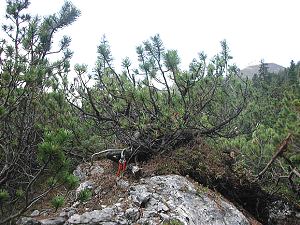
(279, 210)
(85, 185)
(164, 217)
(45, 212)
(111, 223)
(75, 219)
(140, 195)
(80, 173)
(164, 198)
(123, 184)
(53, 221)
(136, 171)
(178, 198)
(132, 214)
(282, 212)
(93, 217)
(76, 204)
(68, 212)
(35, 213)
(153, 201)
(28, 221)
(96, 170)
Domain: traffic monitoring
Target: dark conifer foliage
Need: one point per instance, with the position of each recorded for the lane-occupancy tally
(159, 106)
(32, 139)
(49, 123)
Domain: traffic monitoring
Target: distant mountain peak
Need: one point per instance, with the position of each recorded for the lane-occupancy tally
(249, 71)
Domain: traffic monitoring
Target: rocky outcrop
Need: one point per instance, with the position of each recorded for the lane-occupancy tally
(169, 199)
(51, 221)
(161, 199)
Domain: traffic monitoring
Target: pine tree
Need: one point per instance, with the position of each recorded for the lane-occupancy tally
(263, 72)
(292, 74)
(30, 99)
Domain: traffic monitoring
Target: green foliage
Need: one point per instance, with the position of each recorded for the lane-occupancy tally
(4, 196)
(71, 181)
(84, 195)
(51, 181)
(47, 125)
(20, 193)
(261, 145)
(295, 159)
(57, 202)
(159, 103)
(51, 149)
(272, 113)
(173, 222)
(202, 190)
(33, 109)
(293, 74)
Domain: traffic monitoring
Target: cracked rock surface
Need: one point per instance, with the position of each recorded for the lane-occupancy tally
(161, 199)
(169, 199)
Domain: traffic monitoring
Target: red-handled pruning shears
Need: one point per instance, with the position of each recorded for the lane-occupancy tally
(122, 164)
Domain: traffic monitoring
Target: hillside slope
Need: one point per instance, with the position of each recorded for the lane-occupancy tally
(251, 70)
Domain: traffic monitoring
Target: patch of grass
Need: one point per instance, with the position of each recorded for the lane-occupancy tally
(173, 222)
(57, 202)
(202, 190)
(84, 195)
(4, 195)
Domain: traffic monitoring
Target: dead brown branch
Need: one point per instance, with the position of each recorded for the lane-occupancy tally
(282, 148)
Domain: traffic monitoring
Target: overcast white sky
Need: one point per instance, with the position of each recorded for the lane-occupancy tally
(254, 29)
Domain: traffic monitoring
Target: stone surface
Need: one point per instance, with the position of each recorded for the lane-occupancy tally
(80, 173)
(161, 198)
(53, 221)
(136, 171)
(155, 200)
(84, 185)
(132, 214)
(67, 212)
(44, 212)
(283, 213)
(28, 221)
(93, 217)
(123, 184)
(177, 197)
(76, 204)
(96, 170)
(35, 213)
